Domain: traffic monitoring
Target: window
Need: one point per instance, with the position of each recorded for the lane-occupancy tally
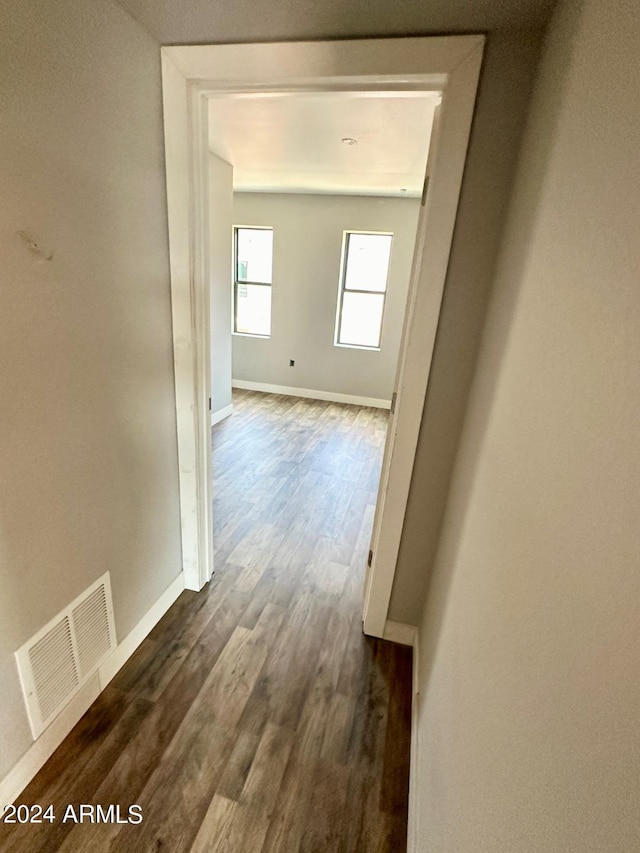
(253, 261)
(363, 285)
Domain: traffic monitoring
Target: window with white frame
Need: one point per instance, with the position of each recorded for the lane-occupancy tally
(363, 287)
(253, 263)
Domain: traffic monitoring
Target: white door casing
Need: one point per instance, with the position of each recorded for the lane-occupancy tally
(190, 74)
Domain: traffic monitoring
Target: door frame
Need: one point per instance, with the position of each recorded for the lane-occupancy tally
(190, 74)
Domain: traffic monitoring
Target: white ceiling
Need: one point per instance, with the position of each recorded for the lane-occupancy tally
(173, 22)
(293, 142)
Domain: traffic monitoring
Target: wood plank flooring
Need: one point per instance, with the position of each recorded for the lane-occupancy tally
(256, 716)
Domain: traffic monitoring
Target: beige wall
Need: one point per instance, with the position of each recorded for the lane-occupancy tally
(87, 443)
(530, 695)
(308, 232)
(87, 435)
(503, 97)
(221, 219)
(198, 22)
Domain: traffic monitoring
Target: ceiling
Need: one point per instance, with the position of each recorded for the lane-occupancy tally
(220, 21)
(294, 142)
(268, 145)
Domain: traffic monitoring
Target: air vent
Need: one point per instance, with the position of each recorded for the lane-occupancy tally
(55, 663)
(92, 630)
(53, 667)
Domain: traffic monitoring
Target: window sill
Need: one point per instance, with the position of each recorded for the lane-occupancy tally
(251, 335)
(357, 346)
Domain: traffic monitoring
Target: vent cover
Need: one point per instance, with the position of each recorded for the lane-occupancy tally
(55, 663)
(92, 630)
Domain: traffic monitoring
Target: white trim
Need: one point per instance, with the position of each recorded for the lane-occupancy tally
(446, 64)
(127, 647)
(414, 800)
(221, 414)
(186, 157)
(445, 167)
(329, 396)
(400, 632)
(376, 62)
(43, 748)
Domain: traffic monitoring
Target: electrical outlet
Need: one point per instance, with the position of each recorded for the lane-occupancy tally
(292, 362)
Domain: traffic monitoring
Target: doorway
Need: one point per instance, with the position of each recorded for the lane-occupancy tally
(190, 76)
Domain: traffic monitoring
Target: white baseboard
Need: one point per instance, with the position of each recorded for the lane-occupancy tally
(43, 748)
(133, 639)
(329, 396)
(221, 414)
(400, 632)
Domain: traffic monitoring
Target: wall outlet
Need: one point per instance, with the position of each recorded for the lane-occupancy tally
(292, 362)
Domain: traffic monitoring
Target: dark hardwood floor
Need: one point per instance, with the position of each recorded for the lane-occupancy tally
(255, 716)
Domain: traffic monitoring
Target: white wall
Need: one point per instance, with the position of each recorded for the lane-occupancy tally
(88, 461)
(308, 233)
(530, 688)
(220, 225)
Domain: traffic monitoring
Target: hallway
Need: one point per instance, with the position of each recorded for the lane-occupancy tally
(256, 716)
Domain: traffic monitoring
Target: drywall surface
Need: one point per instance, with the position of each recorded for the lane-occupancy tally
(88, 459)
(220, 225)
(501, 107)
(307, 246)
(530, 696)
(174, 22)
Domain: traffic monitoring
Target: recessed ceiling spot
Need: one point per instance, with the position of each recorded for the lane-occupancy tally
(349, 140)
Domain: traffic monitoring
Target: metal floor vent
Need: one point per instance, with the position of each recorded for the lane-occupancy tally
(56, 662)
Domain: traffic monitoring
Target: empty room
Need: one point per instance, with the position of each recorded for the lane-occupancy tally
(263, 683)
(318, 526)
(311, 263)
